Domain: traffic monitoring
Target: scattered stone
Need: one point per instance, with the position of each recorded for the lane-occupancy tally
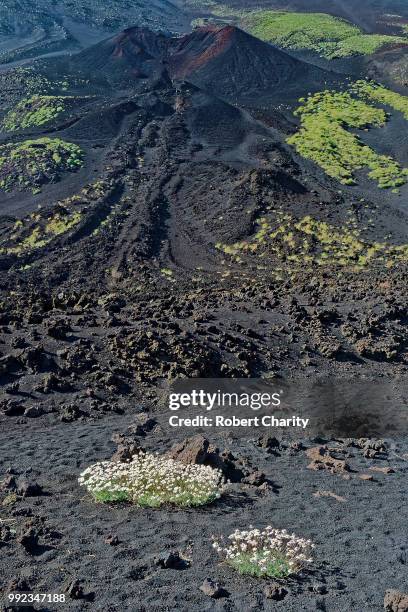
(70, 413)
(75, 590)
(29, 541)
(382, 470)
(275, 591)
(8, 364)
(126, 450)
(371, 448)
(13, 389)
(52, 382)
(395, 601)
(28, 488)
(5, 534)
(170, 560)
(319, 588)
(112, 540)
(9, 483)
(58, 329)
(142, 426)
(296, 446)
(19, 585)
(36, 360)
(322, 458)
(212, 589)
(255, 479)
(12, 407)
(10, 499)
(199, 450)
(191, 450)
(338, 498)
(369, 477)
(269, 443)
(33, 412)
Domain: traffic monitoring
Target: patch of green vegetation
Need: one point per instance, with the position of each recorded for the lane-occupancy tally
(60, 224)
(10, 499)
(32, 163)
(324, 139)
(373, 92)
(40, 228)
(166, 272)
(111, 496)
(39, 236)
(329, 36)
(365, 44)
(299, 30)
(310, 242)
(248, 565)
(34, 111)
(108, 221)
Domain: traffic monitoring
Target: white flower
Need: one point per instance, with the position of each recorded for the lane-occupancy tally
(273, 552)
(154, 480)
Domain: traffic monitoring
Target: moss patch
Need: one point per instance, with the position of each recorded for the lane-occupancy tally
(329, 36)
(33, 163)
(374, 92)
(35, 111)
(40, 228)
(308, 242)
(324, 139)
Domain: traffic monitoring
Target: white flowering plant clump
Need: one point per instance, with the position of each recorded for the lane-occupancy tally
(265, 553)
(152, 480)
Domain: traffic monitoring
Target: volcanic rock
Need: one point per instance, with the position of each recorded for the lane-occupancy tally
(275, 591)
(199, 450)
(395, 601)
(112, 540)
(33, 411)
(12, 407)
(322, 459)
(382, 470)
(28, 488)
(212, 589)
(170, 560)
(191, 450)
(29, 540)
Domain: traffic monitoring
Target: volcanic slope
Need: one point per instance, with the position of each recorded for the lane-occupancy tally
(224, 61)
(186, 205)
(230, 63)
(135, 53)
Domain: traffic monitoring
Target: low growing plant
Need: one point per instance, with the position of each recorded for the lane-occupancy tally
(32, 163)
(151, 481)
(34, 111)
(324, 138)
(377, 93)
(329, 36)
(267, 553)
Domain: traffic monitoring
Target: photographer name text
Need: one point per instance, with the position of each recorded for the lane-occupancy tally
(234, 421)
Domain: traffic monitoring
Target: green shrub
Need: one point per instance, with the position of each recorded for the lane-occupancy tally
(32, 163)
(151, 481)
(267, 553)
(329, 36)
(34, 111)
(376, 93)
(310, 242)
(324, 139)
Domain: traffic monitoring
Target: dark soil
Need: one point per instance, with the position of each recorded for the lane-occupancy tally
(99, 321)
(358, 527)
